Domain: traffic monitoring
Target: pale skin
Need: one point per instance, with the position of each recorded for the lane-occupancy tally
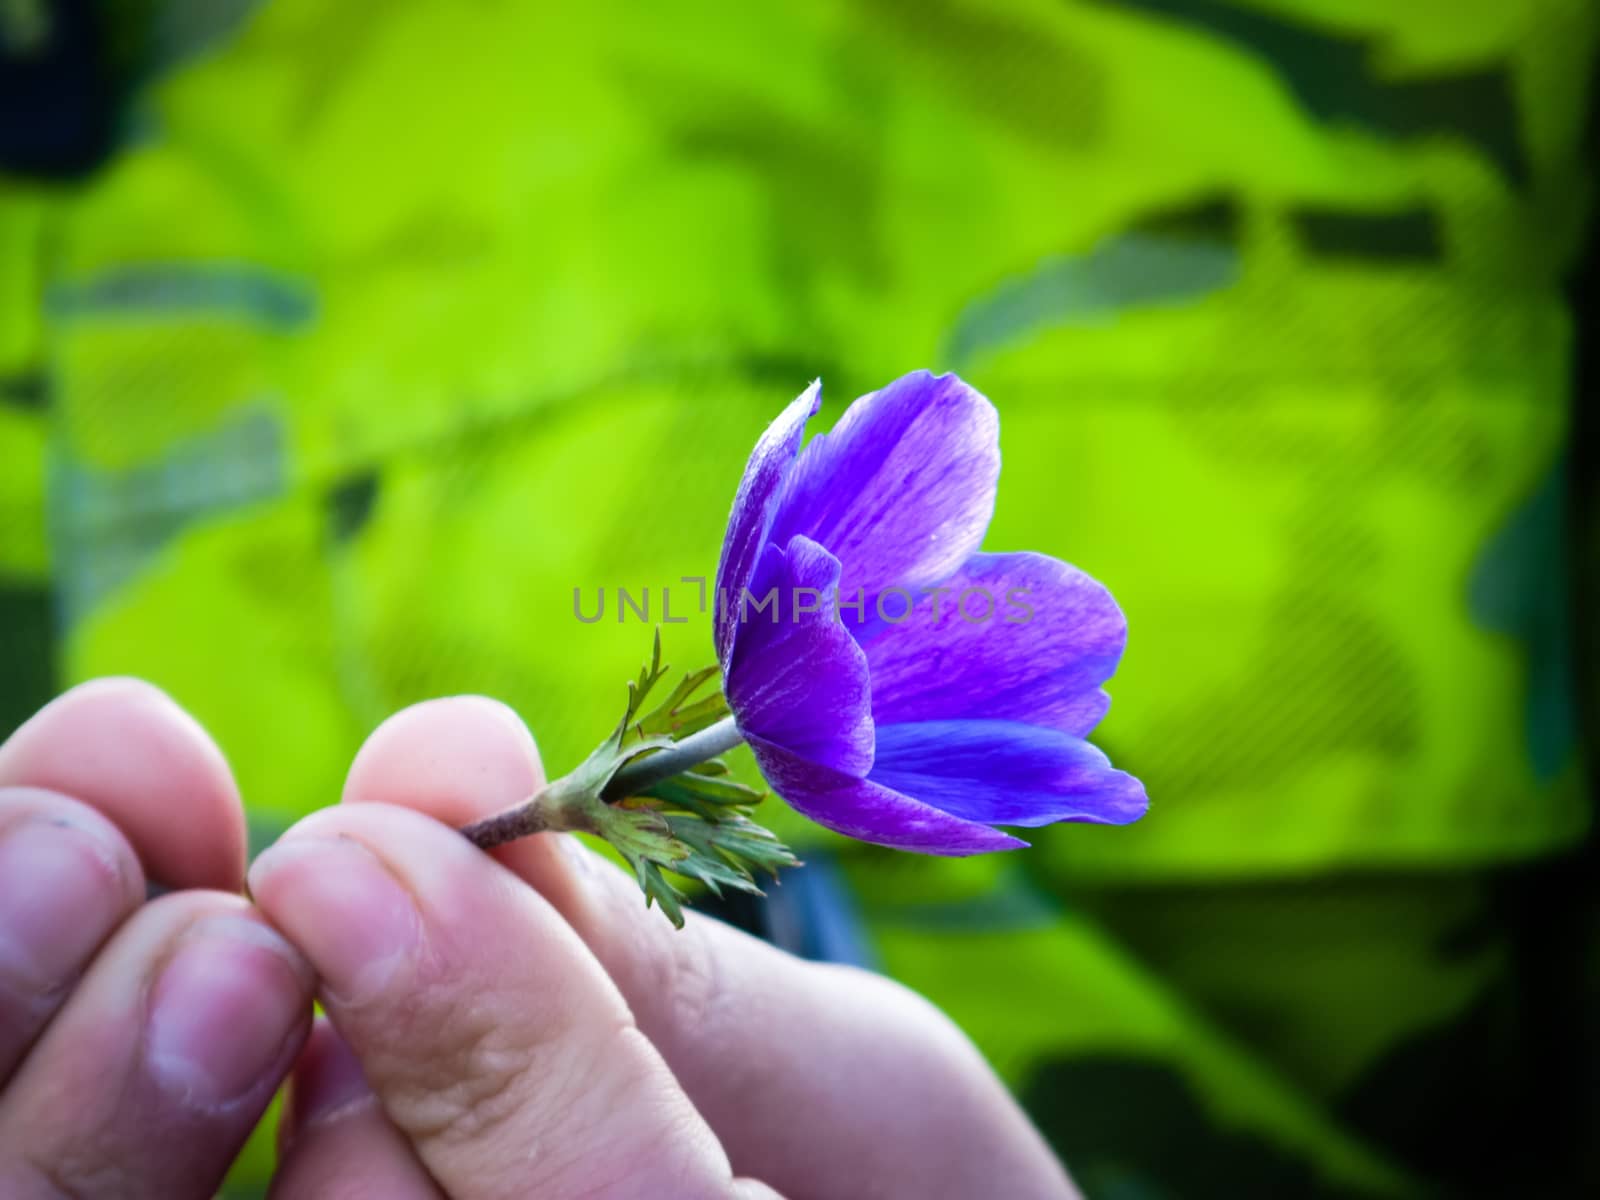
(498, 1025)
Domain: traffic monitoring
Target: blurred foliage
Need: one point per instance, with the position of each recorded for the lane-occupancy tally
(385, 327)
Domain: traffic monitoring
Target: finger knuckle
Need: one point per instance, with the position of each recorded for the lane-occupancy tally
(68, 1175)
(693, 981)
(467, 1083)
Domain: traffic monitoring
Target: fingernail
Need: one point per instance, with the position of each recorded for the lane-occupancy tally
(61, 892)
(342, 907)
(223, 1010)
(327, 1082)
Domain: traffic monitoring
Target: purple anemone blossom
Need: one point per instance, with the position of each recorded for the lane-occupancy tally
(895, 684)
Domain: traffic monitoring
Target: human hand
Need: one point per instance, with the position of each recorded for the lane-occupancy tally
(522, 1028)
(139, 1043)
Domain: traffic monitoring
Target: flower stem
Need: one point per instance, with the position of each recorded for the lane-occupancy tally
(643, 774)
(525, 820)
(560, 805)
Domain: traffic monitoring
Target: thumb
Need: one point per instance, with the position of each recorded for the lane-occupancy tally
(780, 1056)
(493, 1039)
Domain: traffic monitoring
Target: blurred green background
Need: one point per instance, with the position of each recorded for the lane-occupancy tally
(339, 343)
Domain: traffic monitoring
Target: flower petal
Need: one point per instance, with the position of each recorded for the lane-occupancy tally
(753, 509)
(870, 812)
(1005, 773)
(902, 489)
(797, 678)
(1052, 635)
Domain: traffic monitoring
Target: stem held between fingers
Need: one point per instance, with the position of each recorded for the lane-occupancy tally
(554, 807)
(657, 791)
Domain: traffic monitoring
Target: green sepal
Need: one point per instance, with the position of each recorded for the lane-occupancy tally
(695, 824)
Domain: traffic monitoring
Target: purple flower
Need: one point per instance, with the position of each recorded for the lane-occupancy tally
(894, 683)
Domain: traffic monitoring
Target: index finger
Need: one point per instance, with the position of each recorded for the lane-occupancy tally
(125, 748)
